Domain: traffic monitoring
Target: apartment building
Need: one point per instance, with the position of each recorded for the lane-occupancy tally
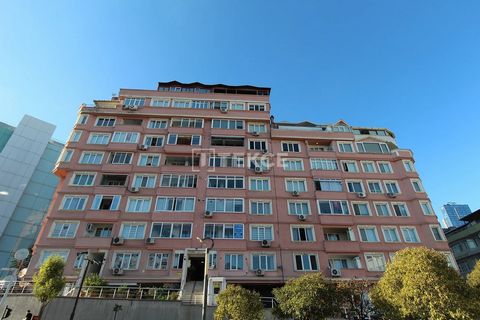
(453, 213)
(147, 174)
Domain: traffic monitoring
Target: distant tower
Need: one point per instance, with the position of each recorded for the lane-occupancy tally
(453, 212)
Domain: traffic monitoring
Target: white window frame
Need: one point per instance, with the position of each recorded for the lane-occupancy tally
(264, 227)
(149, 178)
(62, 253)
(372, 163)
(345, 166)
(162, 105)
(258, 127)
(384, 228)
(105, 137)
(137, 225)
(386, 183)
(130, 137)
(424, 203)
(98, 198)
(94, 174)
(375, 255)
(304, 269)
(233, 256)
(72, 196)
(97, 120)
(324, 164)
(340, 146)
(347, 182)
(296, 162)
(290, 146)
(343, 204)
(75, 136)
(420, 185)
(260, 255)
(303, 226)
(225, 204)
(226, 179)
(62, 223)
(440, 231)
(375, 191)
(233, 224)
(153, 122)
(262, 181)
(301, 202)
(95, 154)
(160, 257)
(353, 203)
(130, 199)
(387, 206)
(296, 182)
(175, 200)
(389, 165)
(403, 228)
(171, 226)
(147, 156)
(182, 180)
(262, 202)
(409, 166)
(153, 136)
(261, 141)
(359, 228)
(113, 154)
(184, 135)
(393, 204)
(116, 253)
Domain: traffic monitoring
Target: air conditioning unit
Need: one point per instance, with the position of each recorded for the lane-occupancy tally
(134, 189)
(125, 107)
(258, 170)
(266, 244)
(334, 272)
(265, 151)
(89, 227)
(149, 240)
(391, 195)
(208, 214)
(212, 266)
(255, 133)
(117, 241)
(143, 147)
(295, 193)
(133, 108)
(361, 195)
(302, 217)
(117, 271)
(259, 273)
(224, 109)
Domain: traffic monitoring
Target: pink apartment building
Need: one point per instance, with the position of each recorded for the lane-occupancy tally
(146, 174)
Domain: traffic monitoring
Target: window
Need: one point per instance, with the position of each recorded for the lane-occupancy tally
(471, 244)
(347, 262)
(90, 157)
(256, 107)
(299, 185)
(306, 262)
(263, 261)
(199, 104)
(226, 161)
(409, 167)
(350, 166)
(226, 182)
(223, 231)
(186, 123)
(375, 261)
(102, 230)
(368, 166)
(168, 230)
(355, 186)
(333, 207)
(237, 106)
(126, 260)
(133, 230)
(261, 232)
(257, 145)
(417, 185)
(345, 147)
(324, 164)
(374, 187)
(226, 205)
(120, 158)
(450, 260)
(368, 234)
(382, 208)
(153, 141)
(290, 147)
(303, 234)
(53, 252)
(168, 204)
(400, 209)
(410, 234)
(427, 208)
(185, 140)
(132, 122)
(160, 103)
(75, 136)
(102, 202)
(298, 207)
(257, 127)
(149, 160)
(392, 187)
(371, 147)
(138, 102)
(157, 124)
(79, 260)
(113, 180)
(178, 260)
(179, 181)
(73, 203)
(66, 155)
(82, 179)
(105, 122)
(390, 234)
(385, 167)
(260, 207)
(125, 137)
(233, 261)
(144, 181)
(157, 261)
(361, 208)
(259, 163)
(64, 229)
(98, 138)
(328, 185)
(292, 165)
(227, 141)
(259, 184)
(138, 204)
(227, 124)
(82, 119)
(181, 103)
(437, 233)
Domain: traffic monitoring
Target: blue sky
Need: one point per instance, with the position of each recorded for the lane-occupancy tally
(411, 66)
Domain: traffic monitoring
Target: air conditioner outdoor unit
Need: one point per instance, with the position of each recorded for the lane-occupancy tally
(266, 244)
(391, 195)
(258, 170)
(134, 189)
(125, 107)
(361, 195)
(117, 241)
(295, 193)
(334, 272)
(265, 151)
(89, 227)
(150, 240)
(224, 109)
(208, 214)
(133, 108)
(259, 273)
(255, 134)
(212, 266)
(143, 147)
(302, 217)
(117, 271)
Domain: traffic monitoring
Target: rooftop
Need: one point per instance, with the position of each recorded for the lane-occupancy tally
(199, 87)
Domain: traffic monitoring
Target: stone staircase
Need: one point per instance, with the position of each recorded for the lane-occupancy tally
(192, 292)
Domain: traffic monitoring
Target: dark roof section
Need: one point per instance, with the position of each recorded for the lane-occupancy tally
(218, 88)
(472, 216)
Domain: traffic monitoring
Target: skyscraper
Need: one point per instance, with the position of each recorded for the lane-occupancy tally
(453, 212)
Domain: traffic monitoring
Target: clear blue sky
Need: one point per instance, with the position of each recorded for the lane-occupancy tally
(411, 66)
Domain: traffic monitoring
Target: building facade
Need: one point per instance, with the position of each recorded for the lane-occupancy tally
(27, 158)
(465, 242)
(146, 175)
(453, 214)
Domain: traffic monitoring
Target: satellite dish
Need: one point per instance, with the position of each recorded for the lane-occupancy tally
(22, 273)
(21, 254)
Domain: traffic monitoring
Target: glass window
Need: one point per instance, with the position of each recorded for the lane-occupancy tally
(385, 167)
(105, 122)
(165, 204)
(98, 138)
(144, 181)
(383, 210)
(82, 179)
(259, 184)
(375, 261)
(257, 127)
(138, 204)
(324, 164)
(125, 137)
(157, 261)
(133, 230)
(171, 230)
(392, 187)
(226, 205)
(290, 147)
(437, 233)
(63, 229)
(410, 234)
(368, 166)
(333, 207)
(223, 231)
(149, 160)
(427, 208)
(233, 261)
(349, 166)
(368, 234)
(261, 232)
(328, 185)
(298, 185)
(226, 182)
(355, 186)
(361, 208)
(74, 203)
(263, 261)
(390, 234)
(292, 165)
(126, 260)
(306, 262)
(260, 207)
(162, 103)
(179, 181)
(374, 187)
(298, 207)
(400, 209)
(303, 234)
(345, 147)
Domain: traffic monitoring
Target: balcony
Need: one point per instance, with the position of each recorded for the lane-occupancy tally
(341, 246)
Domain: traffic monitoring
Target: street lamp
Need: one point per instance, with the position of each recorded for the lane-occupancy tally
(205, 276)
(89, 259)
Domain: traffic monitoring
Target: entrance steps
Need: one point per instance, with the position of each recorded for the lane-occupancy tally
(192, 292)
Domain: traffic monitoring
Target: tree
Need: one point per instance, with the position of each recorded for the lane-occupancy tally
(473, 278)
(308, 297)
(94, 280)
(353, 295)
(237, 303)
(420, 285)
(49, 280)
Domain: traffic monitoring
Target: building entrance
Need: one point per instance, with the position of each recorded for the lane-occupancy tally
(196, 270)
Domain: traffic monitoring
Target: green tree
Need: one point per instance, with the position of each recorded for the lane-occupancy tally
(308, 297)
(49, 280)
(354, 298)
(94, 280)
(237, 303)
(473, 278)
(420, 285)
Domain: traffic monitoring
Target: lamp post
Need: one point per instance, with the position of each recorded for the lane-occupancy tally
(205, 275)
(89, 260)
